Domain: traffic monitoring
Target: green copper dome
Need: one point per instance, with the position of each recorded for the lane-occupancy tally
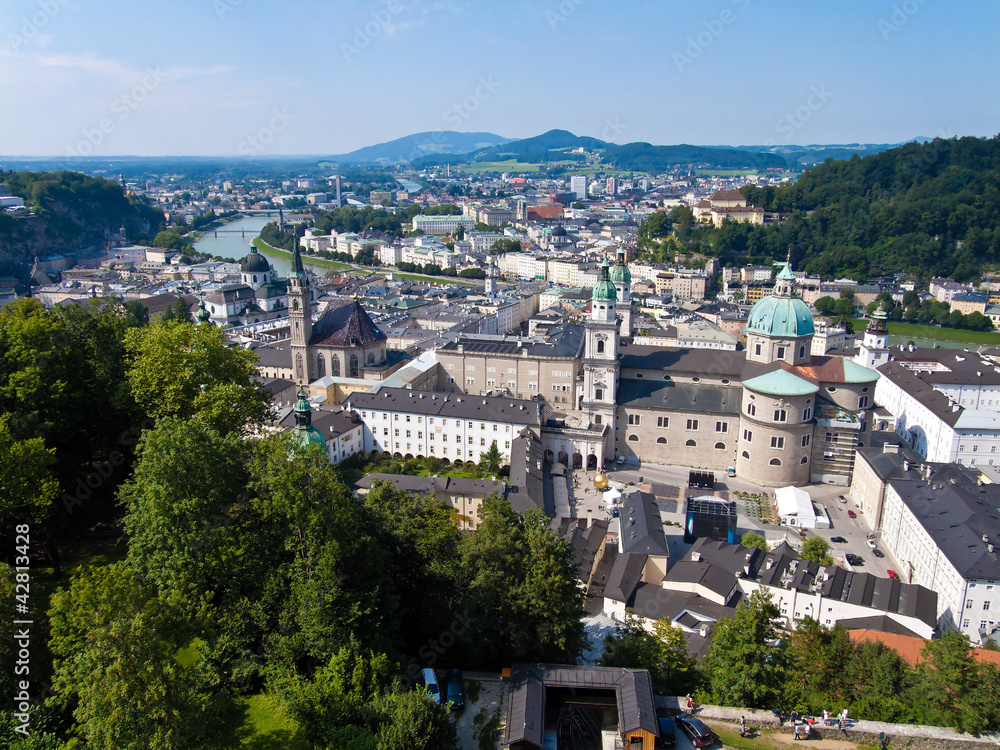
(303, 432)
(781, 314)
(604, 290)
(620, 275)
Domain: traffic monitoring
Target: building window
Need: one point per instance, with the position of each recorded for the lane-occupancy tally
(746, 455)
(600, 347)
(807, 414)
(691, 444)
(470, 439)
(805, 440)
(775, 462)
(354, 365)
(777, 442)
(752, 410)
(720, 446)
(633, 438)
(982, 624)
(407, 433)
(470, 381)
(965, 623)
(491, 383)
(780, 415)
(863, 402)
(748, 435)
(598, 395)
(756, 350)
(633, 419)
(781, 352)
(663, 421)
(986, 606)
(805, 460)
(722, 426)
(661, 441)
(692, 424)
(802, 352)
(458, 438)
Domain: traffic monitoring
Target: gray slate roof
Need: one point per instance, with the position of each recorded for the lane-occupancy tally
(487, 408)
(669, 395)
(641, 526)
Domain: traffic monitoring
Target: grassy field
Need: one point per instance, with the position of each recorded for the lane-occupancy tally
(724, 172)
(497, 166)
(267, 726)
(313, 261)
(935, 333)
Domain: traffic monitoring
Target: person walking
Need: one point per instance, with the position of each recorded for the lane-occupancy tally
(743, 726)
(826, 718)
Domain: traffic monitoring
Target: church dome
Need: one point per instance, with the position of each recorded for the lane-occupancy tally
(782, 314)
(620, 275)
(559, 231)
(254, 262)
(604, 290)
(304, 433)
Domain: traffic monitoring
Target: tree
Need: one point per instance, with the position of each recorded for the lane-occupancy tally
(752, 539)
(744, 666)
(844, 306)
(949, 689)
(472, 273)
(825, 305)
(28, 486)
(815, 548)
(523, 596)
(491, 461)
(131, 665)
(678, 670)
(412, 721)
(190, 371)
(505, 245)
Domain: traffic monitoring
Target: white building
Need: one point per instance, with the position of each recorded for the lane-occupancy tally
(442, 225)
(453, 427)
(578, 186)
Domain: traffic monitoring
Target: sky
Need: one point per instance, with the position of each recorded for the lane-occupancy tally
(260, 78)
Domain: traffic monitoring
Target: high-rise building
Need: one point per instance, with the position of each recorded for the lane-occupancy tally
(578, 186)
(611, 186)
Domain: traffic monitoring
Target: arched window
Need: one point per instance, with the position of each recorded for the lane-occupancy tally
(320, 366)
(720, 446)
(600, 347)
(746, 455)
(295, 304)
(691, 444)
(661, 441)
(354, 366)
(335, 365)
(633, 438)
(371, 358)
(775, 462)
(805, 460)
(298, 367)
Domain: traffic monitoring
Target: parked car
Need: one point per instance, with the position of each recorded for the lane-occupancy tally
(872, 544)
(431, 681)
(695, 729)
(667, 738)
(454, 691)
(852, 514)
(838, 540)
(893, 574)
(841, 498)
(855, 560)
(878, 553)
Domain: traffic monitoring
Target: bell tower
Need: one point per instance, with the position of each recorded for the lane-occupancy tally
(874, 349)
(600, 359)
(300, 318)
(621, 277)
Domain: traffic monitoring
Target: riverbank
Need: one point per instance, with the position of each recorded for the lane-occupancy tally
(266, 249)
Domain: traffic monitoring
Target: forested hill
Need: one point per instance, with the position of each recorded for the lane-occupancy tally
(71, 211)
(931, 208)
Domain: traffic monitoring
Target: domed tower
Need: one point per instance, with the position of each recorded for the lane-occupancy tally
(203, 315)
(600, 358)
(776, 429)
(303, 432)
(874, 349)
(621, 277)
(780, 326)
(255, 271)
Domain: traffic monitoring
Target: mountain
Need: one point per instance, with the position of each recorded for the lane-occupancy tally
(417, 145)
(643, 157)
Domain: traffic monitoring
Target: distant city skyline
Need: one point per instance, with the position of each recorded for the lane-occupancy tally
(244, 78)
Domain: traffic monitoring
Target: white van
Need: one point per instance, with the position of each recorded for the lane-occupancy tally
(431, 680)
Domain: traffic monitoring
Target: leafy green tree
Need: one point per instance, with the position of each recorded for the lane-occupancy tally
(523, 595)
(744, 666)
(844, 306)
(472, 273)
(505, 245)
(633, 647)
(28, 485)
(825, 305)
(752, 539)
(678, 670)
(411, 721)
(816, 548)
(491, 461)
(949, 685)
(190, 371)
(131, 666)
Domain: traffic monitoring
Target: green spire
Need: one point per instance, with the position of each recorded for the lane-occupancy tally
(297, 268)
(604, 290)
(202, 315)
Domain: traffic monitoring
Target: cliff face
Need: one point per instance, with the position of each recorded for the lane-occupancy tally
(70, 212)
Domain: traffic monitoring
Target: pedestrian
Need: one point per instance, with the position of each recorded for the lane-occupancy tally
(826, 717)
(795, 717)
(797, 728)
(690, 703)
(808, 730)
(743, 726)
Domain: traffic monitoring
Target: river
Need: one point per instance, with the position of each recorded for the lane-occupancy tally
(233, 241)
(412, 188)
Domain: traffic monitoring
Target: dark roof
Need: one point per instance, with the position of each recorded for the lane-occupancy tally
(913, 384)
(957, 517)
(713, 578)
(586, 542)
(526, 697)
(437, 486)
(641, 526)
(886, 594)
(566, 341)
(491, 408)
(273, 356)
(733, 558)
(702, 397)
(345, 323)
(697, 361)
(893, 466)
(625, 575)
(527, 490)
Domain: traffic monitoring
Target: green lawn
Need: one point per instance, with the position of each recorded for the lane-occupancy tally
(268, 726)
(915, 330)
(498, 166)
(312, 260)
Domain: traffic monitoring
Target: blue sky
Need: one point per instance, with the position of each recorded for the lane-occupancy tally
(204, 77)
